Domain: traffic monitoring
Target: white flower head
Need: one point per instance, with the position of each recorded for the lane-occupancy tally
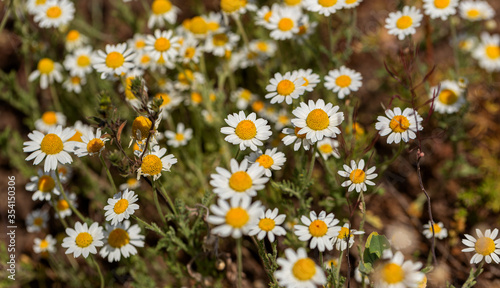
(162, 11)
(92, 144)
(328, 147)
(440, 8)
(121, 240)
(449, 97)
(154, 162)
(83, 240)
(54, 13)
(246, 131)
(399, 125)
(343, 81)
(284, 23)
(403, 23)
(293, 136)
(63, 207)
(121, 206)
(79, 63)
(271, 159)
(179, 137)
(269, 224)
(45, 245)
(324, 7)
(485, 246)
(310, 79)
(48, 71)
(439, 231)
(115, 60)
(476, 10)
(285, 87)
(358, 178)
(163, 44)
(320, 229)
(298, 270)
(43, 185)
(50, 119)
(487, 52)
(398, 273)
(37, 220)
(345, 232)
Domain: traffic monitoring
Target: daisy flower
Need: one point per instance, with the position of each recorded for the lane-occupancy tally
(440, 8)
(270, 160)
(282, 119)
(121, 206)
(449, 97)
(285, 87)
(403, 23)
(208, 116)
(306, 29)
(268, 224)
(235, 218)
(264, 48)
(74, 39)
(49, 120)
(235, 7)
(187, 79)
(317, 120)
(330, 264)
(34, 6)
(311, 79)
(121, 240)
(343, 81)
(345, 233)
(264, 14)
(155, 162)
(53, 147)
(65, 172)
(242, 97)
(55, 13)
(190, 51)
(80, 62)
(131, 183)
(298, 270)
(161, 11)
(358, 178)
(487, 52)
(138, 42)
(219, 43)
(476, 10)
(242, 182)
(48, 71)
(328, 147)
(74, 84)
(297, 4)
(37, 220)
(83, 240)
(43, 185)
(170, 101)
(439, 231)
(80, 129)
(246, 131)
(141, 128)
(320, 229)
(466, 43)
(116, 59)
(324, 7)
(45, 245)
(162, 45)
(398, 273)
(399, 125)
(485, 246)
(180, 137)
(284, 23)
(63, 207)
(92, 144)
(293, 136)
(197, 26)
(348, 4)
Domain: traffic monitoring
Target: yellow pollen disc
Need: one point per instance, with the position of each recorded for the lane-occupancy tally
(246, 94)
(296, 131)
(423, 283)
(45, 66)
(179, 136)
(131, 181)
(198, 26)
(356, 127)
(139, 44)
(327, 3)
(38, 221)
(213, 26)
(220, 39)
(326, 148)
(49, 118)
(448, 97)
(151, 165)
(75, 80)
(83, 61)
(62, 205)
(54, 12)
(318, 228)
(357, 176)
(493, 51)
(114, 60)
(268, 15)
(304, 269)
(72, 35)
(196, 97)
(120, 206)
(317, 120)
(165, 97)
(262, 46)
(44, 244)
(292, 2)
(485, 246)
(51, 144)
(230, 6)
(145, 59)
(343, 233)
(331, 263)
(343, 81)
(246, 130)
(441, 4)
(46, 183)
(77, 137)
(212, 96)
(306, 81)
(267, 224)
(95, 145)
(240, 181)
(162, 44)
(404, 22)
(237, 217)
(285, 87)
(189, 53)
(118, 238)
(399, 124)
(349, 2)
(437, 229)
(161, 6)
(257, 106)
(265, 161)
(285, 24)
(473, 13)
(40, 2)
(186, 77)
(84, 239)
(283, 119)
(142, 124)
(392, 273)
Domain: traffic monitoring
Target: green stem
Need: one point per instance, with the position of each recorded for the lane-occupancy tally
(54, 204)
(339, 264)
(240, 263)
(55, 98)
(242, 31)
(170, 202)
(237, 153)
(110, 178)
(321, 258)
(150, 227)
(389, 162)
(157, 203)
(6, 16)
(98, 270)
(311, 165)
(473, 275)
(77, 213)
(454, 44)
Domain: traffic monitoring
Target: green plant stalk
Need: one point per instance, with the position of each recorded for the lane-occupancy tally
(54, 204)
(311, 165)
(77, 213)
(165, 195)
(150, 227)
(265, 259)
(242, 31)
(110, 178)
(55, 98)
(98, 270)
(454, 45)
(389, 162)
(470, 282)
(157, 203)
(240, 263)
(339, 264)
(6, 16)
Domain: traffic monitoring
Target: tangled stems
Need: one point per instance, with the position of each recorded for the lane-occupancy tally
(98, 270)
(110, 178)
(77, 213)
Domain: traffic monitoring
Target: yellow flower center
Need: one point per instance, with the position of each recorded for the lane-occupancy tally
(54, 12)
(423, 283)
(267, 224)
(327, 3)
(213, 26)
(399, 124)
(317, 120)
(285, 24)
(441, 4)
(46, 183)
(131, 181)
(179, 136)
(162, 44)
(143, 125)
(343, 81)
(220, 39)
(348, 2)
(240, 181)
(257, 106)
(485, 246)
(165, 97)
(139, 44)
(268, 15)
(75, 80)
(45, 66)
(283, 119)
(118, 238)
(161, 6)
(437, 229)
(77, 137)
(331, 263)
(49, 118)
(493, 51)
(114, 60)
(392, 273)
(38, 221)
(145, 59)
(448, 97)
(120, 206)
(72, 35)
(83, 61)
(246, 130)
(304, 269)
(151, 165)
(404, 22)
(51, 144)
(95, 145)
(189, 53)
(473, 13)
(196, 97)
(84, 239)
(306, 81)
(44, 244)
(237, 217)
(292, 2)
(40, 2)
(265, 161)
(318, 228)
(62, 205)
(230, 6)
(185, 77)
(285, 87)
(198, 25)
(357, 176)
(343, 233)
(246, 94)
(326, 148)
(296, 131)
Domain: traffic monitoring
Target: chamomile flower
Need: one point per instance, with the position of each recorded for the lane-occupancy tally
(219, 43)
(155, 162)
(37, 220)
(162, 45)
(246, 131)
(487, 52)
(53, 147)
(161, 11)
(403, 23)
(284, 23)
(271, 160)
(190, 51)
(170, 101)
(197, 27)
(282, 119)
(180, 137)
(439, 231)
(43, 185)
(358, 178)
(311, 79)
(299, 139)
(34, 6)
(466, 43)
(80, 62)
(188, 79)
(121, 206)
(449, 97)
(63, 207)
(208, 116)
(298, 270)
(320, 229)
(328, 147)
(264, 14)
(65, 172)
(330, 264)
(74, 84)
(80, 129)
(297, 4)
(55, 13)
(235, 218)
(141, 127)
(242, 182)
(348, 4)
(324, 7)
(236, 7)
(242, 97)
(440, 8)
(344, 234)
(45, 245)
(485, 246)
(92, 144)
(343, 81)
(476, 10)
(115, 60)
(317, 120)
(121, 240)
(131, 183)
(269, 224)
(48, 71)
(137, 42)
(285, 87)
(397, 273)
(306, 29)
(83, 240)
(74, 39)
(265, 49)
(49, 120)
(399, 126)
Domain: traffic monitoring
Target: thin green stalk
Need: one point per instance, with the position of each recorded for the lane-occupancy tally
(6, 16)
(454, 44)
(55, 98)
(98, 270)
(157, 203)
(311, 165)
(150, 227)
(473, 276)
(110, 178)
(54, 204)
(339, 264)
(237, 153)
(321, 258)
(389, 162)
(170, 202)
(77, 213)
(240, 261)
(242, 31)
